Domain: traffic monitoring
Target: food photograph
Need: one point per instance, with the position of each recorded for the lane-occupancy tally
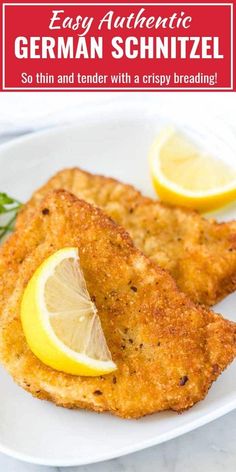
(118, 273)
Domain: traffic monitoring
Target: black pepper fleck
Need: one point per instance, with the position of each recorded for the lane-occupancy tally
(134, 288)
(97, 392)
(114, 380)
(183, 380)
(45, 211)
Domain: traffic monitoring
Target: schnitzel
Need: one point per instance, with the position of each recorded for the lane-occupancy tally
(200, 254)
(168, 351)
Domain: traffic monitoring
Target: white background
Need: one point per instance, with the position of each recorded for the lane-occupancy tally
(213, 447)
(22, 111)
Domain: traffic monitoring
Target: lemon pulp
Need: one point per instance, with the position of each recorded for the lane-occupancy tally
(183, 174)
(60, 321)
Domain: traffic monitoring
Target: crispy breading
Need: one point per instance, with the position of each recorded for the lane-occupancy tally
(200, 254)
(168, 351)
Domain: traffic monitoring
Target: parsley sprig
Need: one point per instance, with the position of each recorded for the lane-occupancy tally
(11, 206)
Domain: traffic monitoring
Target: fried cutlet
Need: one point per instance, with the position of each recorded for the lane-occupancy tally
(168, 350)
(200, 254)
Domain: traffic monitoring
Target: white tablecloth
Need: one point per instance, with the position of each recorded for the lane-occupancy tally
(24, 112)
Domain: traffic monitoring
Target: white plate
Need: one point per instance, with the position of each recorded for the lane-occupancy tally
(114, 141)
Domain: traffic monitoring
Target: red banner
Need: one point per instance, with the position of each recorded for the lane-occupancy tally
(117, 46)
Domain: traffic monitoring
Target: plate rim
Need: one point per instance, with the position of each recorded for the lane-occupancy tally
(176, 432)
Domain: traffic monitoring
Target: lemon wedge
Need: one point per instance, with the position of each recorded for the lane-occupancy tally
(184, 175)
(60, 321)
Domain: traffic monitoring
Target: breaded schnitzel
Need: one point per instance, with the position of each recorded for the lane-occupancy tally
(168, 351)
(200, 254)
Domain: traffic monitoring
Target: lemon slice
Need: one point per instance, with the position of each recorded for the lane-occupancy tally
(60, 321)
(182, 174)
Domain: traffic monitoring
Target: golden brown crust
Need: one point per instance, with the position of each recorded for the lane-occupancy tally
(200, 254)
(168, 351)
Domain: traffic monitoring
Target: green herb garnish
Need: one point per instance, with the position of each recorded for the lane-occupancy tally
(8, 205)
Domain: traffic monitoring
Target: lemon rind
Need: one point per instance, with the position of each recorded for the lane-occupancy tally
(46, 269)
(160, 179)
